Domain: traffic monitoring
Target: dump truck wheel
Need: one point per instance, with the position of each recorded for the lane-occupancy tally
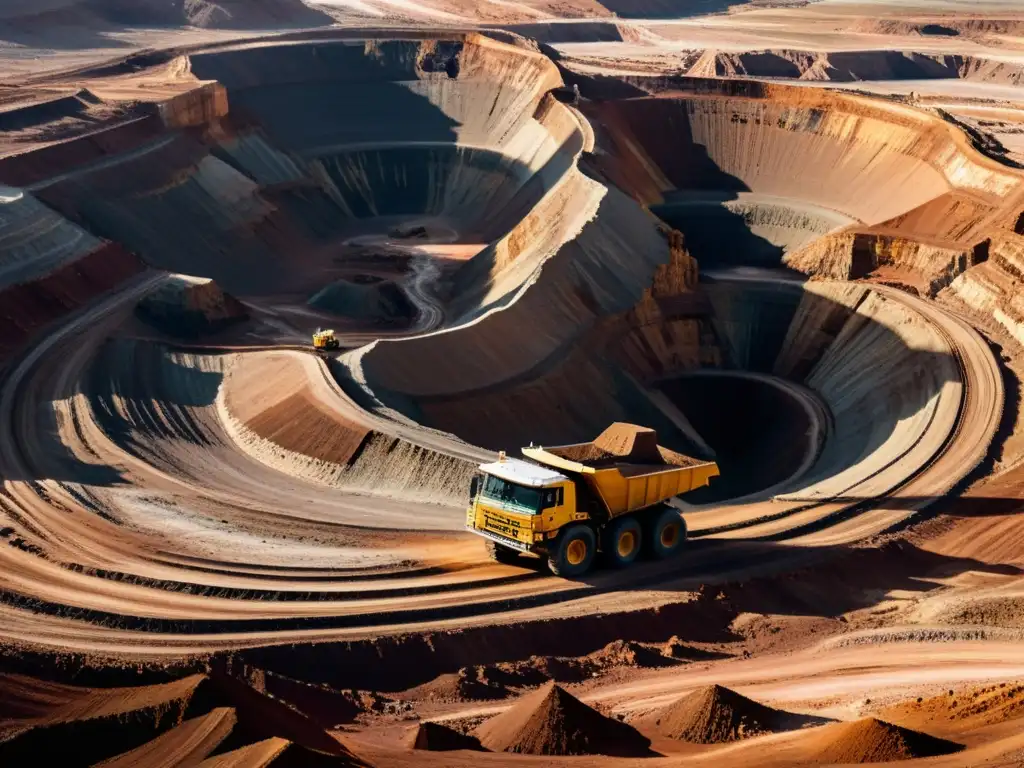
(499, 553)
(666, 533)
(574, 552)
(622, 540)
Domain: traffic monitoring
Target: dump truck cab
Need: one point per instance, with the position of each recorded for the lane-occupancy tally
(570, 502)
(518, 504)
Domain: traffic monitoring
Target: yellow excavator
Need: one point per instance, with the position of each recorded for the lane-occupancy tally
(324, 340)
(571, 502)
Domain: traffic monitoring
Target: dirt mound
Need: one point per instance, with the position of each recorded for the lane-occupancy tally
(551, 721)
(436, 737)
(188, 743)
(875, 741)
(714, 715)
(467, 684)
(627, 653)
(61, 724)
(377, 302)
(189, 307)
(626, 443)
(329, 707)
(276, 752)
(982, 706)
(504, 679)
(261, 716)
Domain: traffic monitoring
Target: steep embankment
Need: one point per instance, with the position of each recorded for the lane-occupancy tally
(851, 66)
(774, 168)
(49, 267)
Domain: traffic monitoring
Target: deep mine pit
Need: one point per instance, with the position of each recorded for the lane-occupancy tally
(747, 268)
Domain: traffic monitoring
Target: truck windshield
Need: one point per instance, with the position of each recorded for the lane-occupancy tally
(518, 498)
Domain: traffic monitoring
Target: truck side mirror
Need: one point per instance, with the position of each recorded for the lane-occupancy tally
(474, 486)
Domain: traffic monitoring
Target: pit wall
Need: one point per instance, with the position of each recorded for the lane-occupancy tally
(854, 66)
(322, 137)
(743, 142)
(834, 150)
(27, 308)
(159, 404)
(678, 143)
(35, 240)
(925, 269)
(894, 390)
(605, 256)
(992, 288)
(887, 376)
(602, 377)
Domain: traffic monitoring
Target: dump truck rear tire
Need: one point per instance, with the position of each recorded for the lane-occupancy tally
(499, 553)
(666, 533)
(622, 541)
(574, 551)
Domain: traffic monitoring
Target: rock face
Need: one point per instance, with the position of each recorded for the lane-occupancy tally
(876, 741)
(551, 721)
(189, 307)
(28, 307)
(714, 715)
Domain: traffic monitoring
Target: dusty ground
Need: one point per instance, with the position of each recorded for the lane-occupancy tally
(225, 550)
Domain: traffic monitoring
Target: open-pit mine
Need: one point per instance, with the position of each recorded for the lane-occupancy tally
(221, 546)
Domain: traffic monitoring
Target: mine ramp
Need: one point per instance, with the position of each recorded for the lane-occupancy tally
(626, 468)
(571, 502)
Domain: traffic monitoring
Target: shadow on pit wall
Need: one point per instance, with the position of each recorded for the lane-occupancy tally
(136, 393)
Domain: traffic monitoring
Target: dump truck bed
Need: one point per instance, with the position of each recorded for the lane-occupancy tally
(627, 469)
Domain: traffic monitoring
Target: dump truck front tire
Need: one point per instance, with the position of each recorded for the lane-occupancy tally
(499, 553)
(622, 541)
(666, 533)
(574, 551)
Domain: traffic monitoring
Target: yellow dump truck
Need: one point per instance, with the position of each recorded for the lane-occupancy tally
(572, 501)
(324, 339)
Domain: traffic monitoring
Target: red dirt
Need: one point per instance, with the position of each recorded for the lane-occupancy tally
(327, 706)
(436, 737)
(261, 715)
(975, 707)
(551, 721)
(191, 741)
(463, 685)
(626, 653)
(875, 741)
(713, 715)
(300, 424)
(624, 443)
(30, 702)
(24, 309)
(256, 755)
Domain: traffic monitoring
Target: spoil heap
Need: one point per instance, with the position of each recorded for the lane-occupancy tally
(714, 715)
(189, 306)
(875, 741)
(436, 737)
(624, 443)
(551, 721)
(980, 706)
(380, 301)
